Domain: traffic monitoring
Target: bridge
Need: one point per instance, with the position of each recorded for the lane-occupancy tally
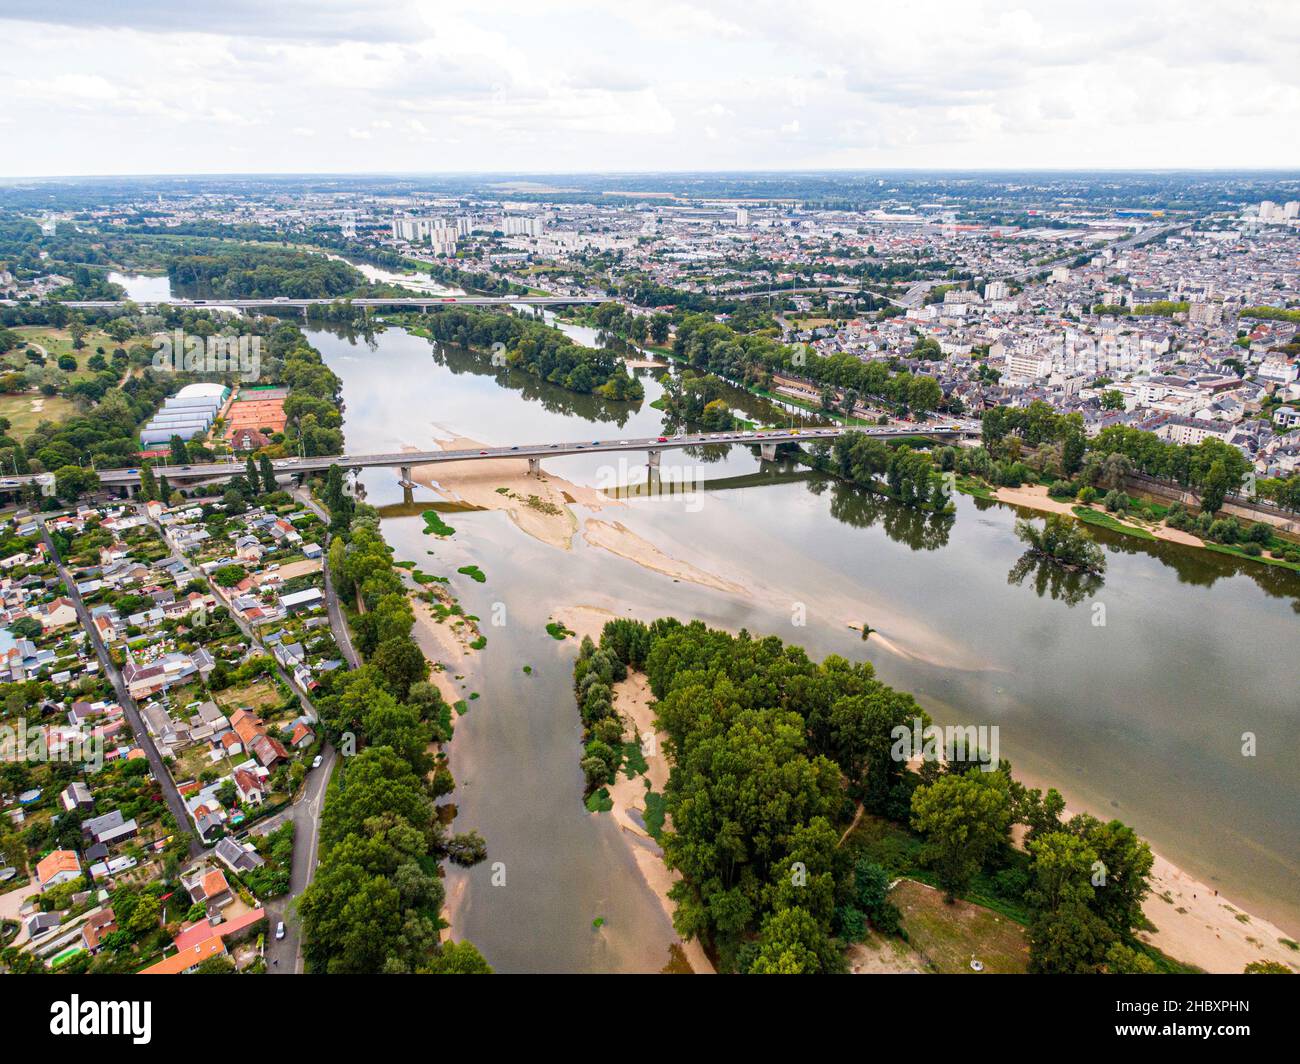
(767, 440)
(423, 303)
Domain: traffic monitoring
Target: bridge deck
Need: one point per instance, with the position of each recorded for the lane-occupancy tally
(400, 459)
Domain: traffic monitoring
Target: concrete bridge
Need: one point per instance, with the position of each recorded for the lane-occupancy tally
(767, 440)
(423, 303)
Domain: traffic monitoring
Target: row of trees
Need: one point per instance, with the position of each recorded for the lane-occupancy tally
(375, 902)
(909, 475)
(754, 357)
(1211, 468)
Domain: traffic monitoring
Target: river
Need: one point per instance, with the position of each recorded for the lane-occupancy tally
(1143, 717)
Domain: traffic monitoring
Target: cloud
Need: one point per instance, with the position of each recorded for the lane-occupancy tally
(585, 84)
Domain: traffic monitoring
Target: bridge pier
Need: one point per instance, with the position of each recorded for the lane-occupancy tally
(768, 451)
(652, 457)
(534, 467)
(404, 478)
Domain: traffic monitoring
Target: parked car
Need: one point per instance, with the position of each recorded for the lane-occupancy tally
(279, 931)
(316, 761)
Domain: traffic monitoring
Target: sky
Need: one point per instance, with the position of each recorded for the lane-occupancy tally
(553, 86)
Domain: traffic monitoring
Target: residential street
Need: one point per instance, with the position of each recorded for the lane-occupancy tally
(285, 956)
(132, 711)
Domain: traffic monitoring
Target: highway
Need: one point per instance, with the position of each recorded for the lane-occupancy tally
(404, 459)
(418, 302)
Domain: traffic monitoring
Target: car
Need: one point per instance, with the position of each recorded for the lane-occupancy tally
(133, 470)
(279, 931)
(661, 439)
(482, 452)
(187, 467)
(514, 448)
(595, 443)
(281, 299)
(747, 435)
(317, 761)
(555, 447)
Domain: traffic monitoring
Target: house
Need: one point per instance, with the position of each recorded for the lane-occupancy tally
(1287, 417)
(236, 857)
(58, 614)
(249, 787)
(96, 926)
(302, 736)
(110, 828)
(42, 923)
(61, 866)
(302, 600)
(269, 752)
(209, 886)
(189, 959)
(76, 796)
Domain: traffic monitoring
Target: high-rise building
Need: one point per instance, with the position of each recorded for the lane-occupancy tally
(997, 290)
(521, 225)
(742, 217)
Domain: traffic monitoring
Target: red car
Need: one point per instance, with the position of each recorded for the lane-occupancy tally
(662, 439)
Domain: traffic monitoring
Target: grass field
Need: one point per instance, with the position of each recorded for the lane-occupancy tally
(58, 342)
(23, 415)
(948, 936)
(259, 695)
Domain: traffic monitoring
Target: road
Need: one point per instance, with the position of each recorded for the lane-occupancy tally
(132, 711)
(284, 956)
(338, 622)
(414, 302)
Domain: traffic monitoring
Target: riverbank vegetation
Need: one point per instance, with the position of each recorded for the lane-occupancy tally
(535, 347)
(909, 476)
(375, 903)
(253, 271)
(1062, 542)
(698, 400)
(779, 768)
(754, 358)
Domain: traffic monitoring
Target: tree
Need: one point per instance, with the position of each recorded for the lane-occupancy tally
(964, 818)
(72, 482)
(148, 484)
(792, 942)
(1214, 487)
(250, 474)
(459, 958)
(268, 473)
(180, 455)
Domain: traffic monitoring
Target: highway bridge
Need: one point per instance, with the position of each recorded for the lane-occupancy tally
(767, 440)
(423, 303)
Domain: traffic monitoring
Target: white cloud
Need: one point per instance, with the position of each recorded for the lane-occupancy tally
(573, 85)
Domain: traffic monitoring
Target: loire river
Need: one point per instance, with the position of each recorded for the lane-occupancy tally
(1141, 718)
